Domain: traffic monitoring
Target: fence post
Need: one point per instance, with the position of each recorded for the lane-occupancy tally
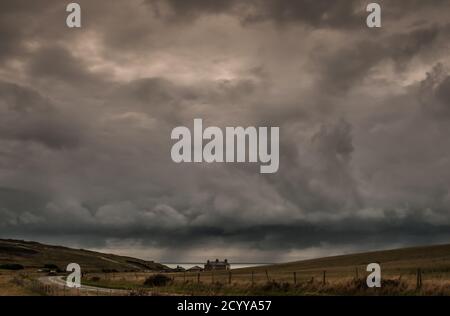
(356, 271)
(253, 278)
(184, 276)
(295, 278)
(229, 277)
(198, 277)
(324, 277)
(267, 275)
(212, 276)
(419, 278)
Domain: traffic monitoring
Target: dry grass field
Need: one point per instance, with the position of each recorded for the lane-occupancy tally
(339, 275)
(9, 286)
(36, 255)
(305, 283)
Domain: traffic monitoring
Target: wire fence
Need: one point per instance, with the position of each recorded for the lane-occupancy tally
(415, 279)
(292, 277)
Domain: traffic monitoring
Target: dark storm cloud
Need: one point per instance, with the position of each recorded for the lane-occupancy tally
(20, 99)
(28, 116)
(10, 42)
(276, 240)
(434, 93)
(156, 95)
(339, 13)
(86, 117)
(347, 66)
(57, 64)
(19, 23)
(317, 14)
(406, 46)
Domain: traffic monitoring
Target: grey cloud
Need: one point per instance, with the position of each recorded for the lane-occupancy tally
(274, 240)
(345, 67)
(20, 25)
(86, 118)
(28, 116)
(21, 99)
(406, 46)
(58, 65)
(10, 42)
(317, 14)
(312, 13)
(434, 92)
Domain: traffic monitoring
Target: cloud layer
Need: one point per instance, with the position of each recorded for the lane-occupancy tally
(86, 115)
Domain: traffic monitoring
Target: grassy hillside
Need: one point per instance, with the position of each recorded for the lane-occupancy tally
(36, 255)
(427, 255)
(432, 258)
(337, 275)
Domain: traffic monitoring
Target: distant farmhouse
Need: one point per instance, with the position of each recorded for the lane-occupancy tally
(179, 269)
(217, 265)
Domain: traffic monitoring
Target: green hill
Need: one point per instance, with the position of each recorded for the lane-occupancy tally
(36, 255)
(434, 258)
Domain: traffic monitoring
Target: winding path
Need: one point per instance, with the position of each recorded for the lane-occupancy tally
(61, 283)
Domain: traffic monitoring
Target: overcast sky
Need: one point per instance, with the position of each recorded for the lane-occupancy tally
(364, 117)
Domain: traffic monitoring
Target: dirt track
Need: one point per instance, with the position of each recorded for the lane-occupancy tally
(61, 283)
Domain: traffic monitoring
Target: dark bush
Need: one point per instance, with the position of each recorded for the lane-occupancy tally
(95, 279)
(11, 266)
(157, 280)
(276, 286)
(51, 266)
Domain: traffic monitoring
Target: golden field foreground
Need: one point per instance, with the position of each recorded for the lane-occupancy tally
(409, 271)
